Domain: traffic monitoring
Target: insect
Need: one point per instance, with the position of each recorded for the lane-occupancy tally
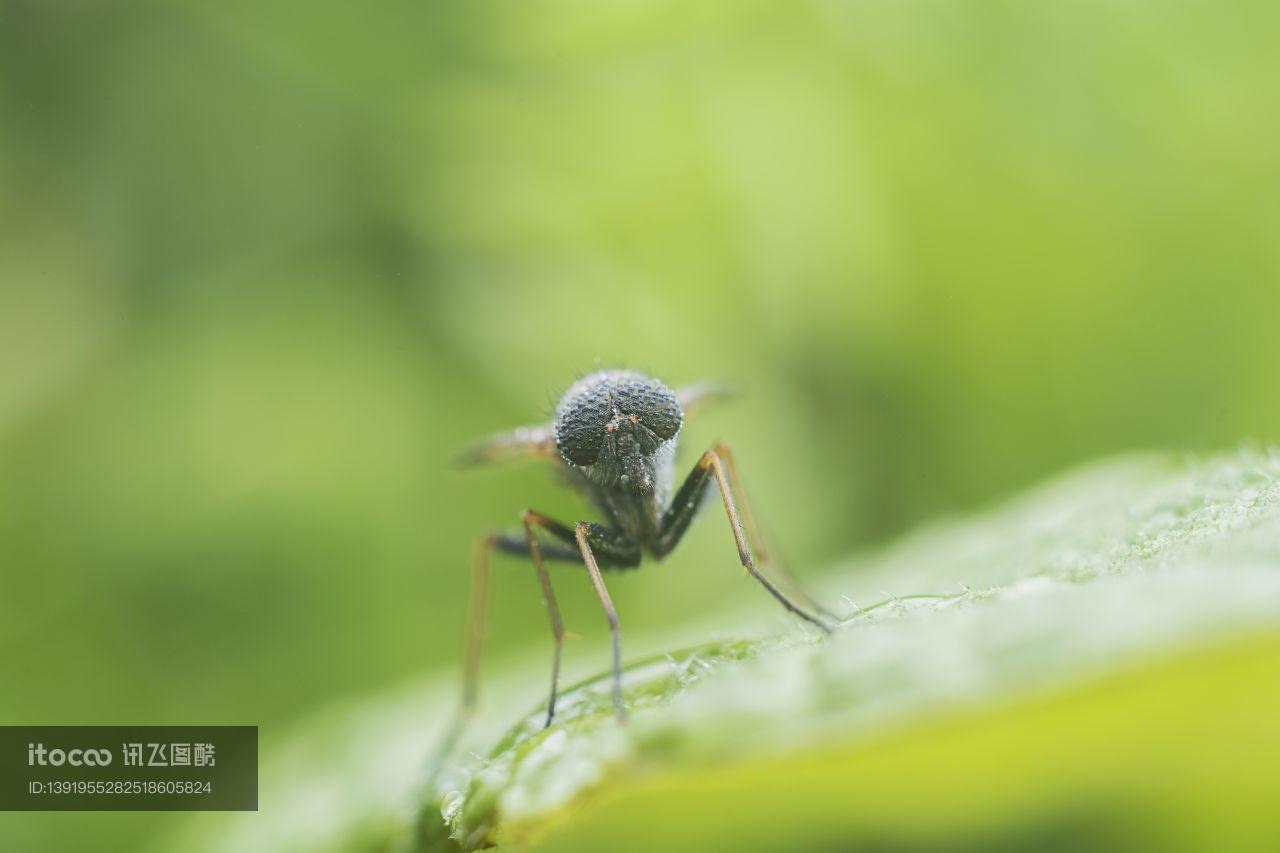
(614, 438)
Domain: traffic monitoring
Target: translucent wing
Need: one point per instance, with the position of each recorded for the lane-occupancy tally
(537, 441)
(694, 397)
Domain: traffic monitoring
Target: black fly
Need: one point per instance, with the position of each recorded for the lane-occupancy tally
(614, 437)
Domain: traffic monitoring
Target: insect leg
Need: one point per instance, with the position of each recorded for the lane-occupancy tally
(475, 631)
(474, 644)
(583, 531)
(685, 504)
(757, 541)
(479, 605)
(529, 518)
(615, 552)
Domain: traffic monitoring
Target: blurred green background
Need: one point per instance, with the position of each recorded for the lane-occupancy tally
(266, 267)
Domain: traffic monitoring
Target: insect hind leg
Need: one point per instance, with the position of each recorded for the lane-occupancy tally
(517, 544)
(612, 551)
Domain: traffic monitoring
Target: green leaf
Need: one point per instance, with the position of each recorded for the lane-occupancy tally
(1096, 664)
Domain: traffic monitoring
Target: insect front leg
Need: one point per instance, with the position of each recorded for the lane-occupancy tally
(675, 522)
(530, 519)
(622, 553)
(613, 550)
(519, 544)
(757, 541)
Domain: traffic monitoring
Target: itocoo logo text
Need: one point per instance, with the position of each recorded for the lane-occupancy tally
(38, 755)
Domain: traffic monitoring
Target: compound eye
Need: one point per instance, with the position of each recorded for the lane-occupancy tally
(654, 405)
(580, 434)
